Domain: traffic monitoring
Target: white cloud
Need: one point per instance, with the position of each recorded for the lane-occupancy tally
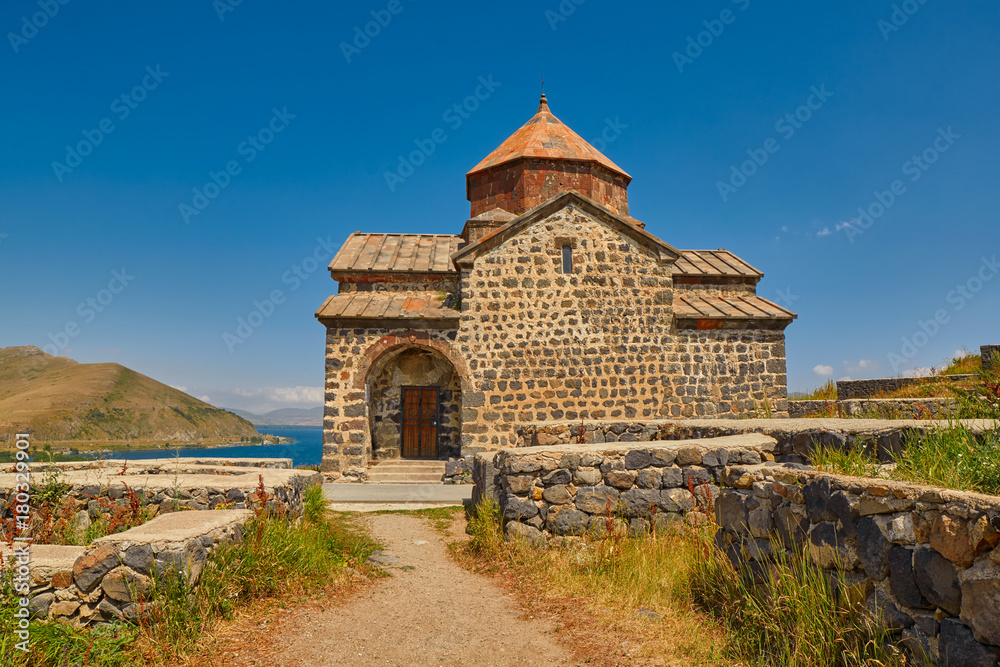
(180, 387)
(207, 399)
(284, 394)
(824, 232)
(823, 371)
(843, 225)
(784, 228)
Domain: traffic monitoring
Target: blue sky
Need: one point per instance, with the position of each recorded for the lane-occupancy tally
(302, 131)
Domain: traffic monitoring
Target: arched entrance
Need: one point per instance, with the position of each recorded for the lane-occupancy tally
(414, 405)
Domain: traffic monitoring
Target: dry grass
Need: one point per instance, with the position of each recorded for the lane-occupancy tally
(57, 399)
(618, 601)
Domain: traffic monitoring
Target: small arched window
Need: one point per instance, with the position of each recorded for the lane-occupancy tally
(567, 258)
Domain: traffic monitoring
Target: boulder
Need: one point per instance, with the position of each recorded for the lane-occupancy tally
(873, 548)
(565, 520)
(89, 568)
(515, 531)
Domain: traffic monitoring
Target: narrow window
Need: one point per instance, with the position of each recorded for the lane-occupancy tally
(567, 259)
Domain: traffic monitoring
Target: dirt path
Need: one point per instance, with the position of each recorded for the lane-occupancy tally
(429, 612)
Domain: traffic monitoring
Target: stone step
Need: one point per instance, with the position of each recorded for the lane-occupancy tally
(404, 477)
(395, 466)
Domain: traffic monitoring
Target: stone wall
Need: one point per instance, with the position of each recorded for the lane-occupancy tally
(108, 580)
(354, 360)
(987, 352)
(872, 388)
(572, 489)
(925, 558)
(877, 408)
(795, 438)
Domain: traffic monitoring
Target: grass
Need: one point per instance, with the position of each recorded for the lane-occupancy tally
(953, 458)
(680, 598)
(277, 559)
(828, 392)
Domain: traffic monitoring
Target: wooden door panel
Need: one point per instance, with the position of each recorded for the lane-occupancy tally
(420, 414)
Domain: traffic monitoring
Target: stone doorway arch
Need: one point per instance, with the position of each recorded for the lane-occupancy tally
(413, 367)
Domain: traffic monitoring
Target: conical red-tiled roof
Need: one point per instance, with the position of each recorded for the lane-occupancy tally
(546, 137)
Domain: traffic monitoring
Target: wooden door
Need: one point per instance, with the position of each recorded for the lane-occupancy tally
(420, 417)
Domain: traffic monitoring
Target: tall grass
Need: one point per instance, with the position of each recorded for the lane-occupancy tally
(955, 457)
(277, 557)
(704, 611)
(789, 613)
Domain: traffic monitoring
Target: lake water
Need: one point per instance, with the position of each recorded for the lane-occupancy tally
(306, 450)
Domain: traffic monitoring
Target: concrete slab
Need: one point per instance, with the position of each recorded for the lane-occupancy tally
(388, 507)
(431, 494)
(178, 526)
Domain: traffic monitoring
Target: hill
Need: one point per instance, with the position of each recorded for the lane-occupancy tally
(56, 398)
(284, 417)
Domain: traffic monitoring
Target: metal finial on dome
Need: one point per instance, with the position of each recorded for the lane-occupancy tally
(543, 105)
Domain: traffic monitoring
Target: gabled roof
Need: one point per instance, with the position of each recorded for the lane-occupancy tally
(377, 253)
(356, 306)
(546, 137)
(713, 264)
(728, 307)
(562, 200)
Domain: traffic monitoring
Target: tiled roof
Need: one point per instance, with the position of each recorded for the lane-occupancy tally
(730, 307)
(545, 136)
(387, 305)
(713, 263)
(375, 253)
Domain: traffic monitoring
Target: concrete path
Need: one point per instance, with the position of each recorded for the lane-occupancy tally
(426, 494)
(430, 611)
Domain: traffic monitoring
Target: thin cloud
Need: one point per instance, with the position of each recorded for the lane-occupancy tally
(824, 232)
(284, 394)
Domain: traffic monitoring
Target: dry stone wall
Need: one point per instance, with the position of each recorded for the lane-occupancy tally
(872, 388)
(878, 408)
(542, 345)
(925, 560)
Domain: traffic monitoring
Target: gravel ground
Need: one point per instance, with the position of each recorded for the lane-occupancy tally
(430, 611)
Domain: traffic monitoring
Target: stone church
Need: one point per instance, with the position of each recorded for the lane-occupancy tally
(553, 304)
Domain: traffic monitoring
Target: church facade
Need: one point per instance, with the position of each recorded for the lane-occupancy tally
(553, 304)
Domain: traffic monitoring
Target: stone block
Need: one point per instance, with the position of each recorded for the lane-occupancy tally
(937, 579)
(649, 478)
(873, 548)
(515, 509)
(557, 477)
(950, 538)
(675, 500)
(637, 459)
(638, 502)
(515, 531)
(91, 567)
(599, 500)
(902, 579)
(981, 600)
(565, 520)
(557, 495)
(958, 646)
(587, 476)
(620, 479)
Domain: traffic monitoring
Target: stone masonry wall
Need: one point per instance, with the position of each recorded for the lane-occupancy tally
(987, 352)
(925, 559)
(878, 408)
(542, 345)
(353, 356)
(574, 489)
(871, 388)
